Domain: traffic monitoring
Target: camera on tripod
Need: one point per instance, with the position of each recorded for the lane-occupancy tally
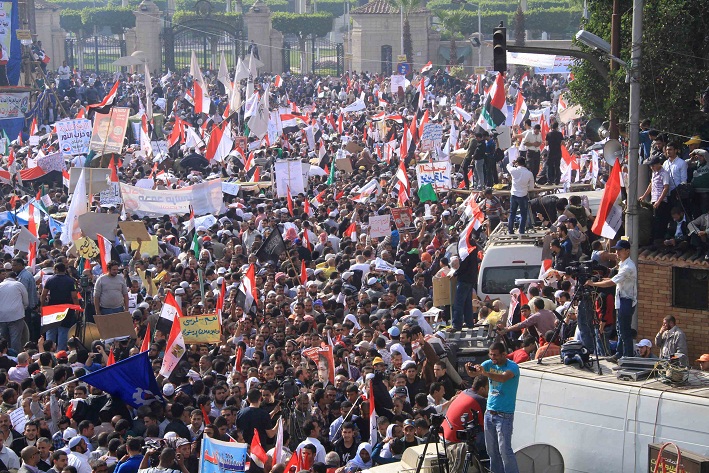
(582, 271)
(471, 428)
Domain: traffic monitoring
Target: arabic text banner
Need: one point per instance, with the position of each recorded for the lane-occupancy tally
(201, 328)
(205, 198)
(437, 173)
(219, 457)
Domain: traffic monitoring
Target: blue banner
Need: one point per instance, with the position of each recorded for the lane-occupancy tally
(131, 379)
(219, 457)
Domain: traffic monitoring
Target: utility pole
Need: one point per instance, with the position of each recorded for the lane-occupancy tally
(480, 30)
(632, 223)
(615, 51)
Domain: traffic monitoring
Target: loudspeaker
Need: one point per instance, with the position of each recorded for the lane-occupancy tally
(612, 150)
(596, 130)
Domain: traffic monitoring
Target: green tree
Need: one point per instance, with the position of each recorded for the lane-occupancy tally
(119, 19)
(303, 26)
(673, 70)
(407, 7)
(452, 21)
(70, 20)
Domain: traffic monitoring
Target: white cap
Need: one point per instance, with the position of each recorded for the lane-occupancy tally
(371, 281)
(201, 228)
(645, 343)
(347, 275)
(399, 272)
(168, 389)
(221, 271)
(69, 433)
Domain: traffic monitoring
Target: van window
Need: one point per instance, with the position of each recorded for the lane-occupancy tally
(501, 279)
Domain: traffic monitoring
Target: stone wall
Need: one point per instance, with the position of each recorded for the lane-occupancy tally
(50, 33)
(655, 302)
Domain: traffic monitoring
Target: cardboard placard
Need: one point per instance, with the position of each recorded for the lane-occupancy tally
(24, 239)
(115, 325)
(344, 165)
(134, 231)
(379, 226)
(93, 223)
(86, 248)
(403, 218)
(149, 246)
(353, 147)
(201, 328)
(96, 179)
(444, 290)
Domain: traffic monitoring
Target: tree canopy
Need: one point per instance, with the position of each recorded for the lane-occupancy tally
(303, 25)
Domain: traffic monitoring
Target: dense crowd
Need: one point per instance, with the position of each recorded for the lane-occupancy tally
(331, 285)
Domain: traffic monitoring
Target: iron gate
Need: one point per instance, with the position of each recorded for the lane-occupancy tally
(94, 52)
(208, 38)
(318, 56)
(386, 60)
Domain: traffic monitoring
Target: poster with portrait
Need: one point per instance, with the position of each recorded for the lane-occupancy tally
(5, 28)
(109, 131)
(323, 358)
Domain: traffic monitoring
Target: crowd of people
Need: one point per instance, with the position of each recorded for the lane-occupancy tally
(369, 299)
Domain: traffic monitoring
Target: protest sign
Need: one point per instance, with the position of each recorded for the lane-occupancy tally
(289, 174)
(431, 137)
(134, 231)
(93, 223)
(241, 142)
(231, 188)
(403, 218)
(398, 81)
(436, 173)
(74, 136)
(52, 162)
(24, 239)
(444, 290)
(217, 456)
(206, 221)
(115, 325)
(381, 265)
(149, 246)
(205, 198)
(323, 358)
(86, 248)
(110, 196)
(13, 104)
(201, 328)
(109, 131)
(379, 226)
(96, 179)
(18, 419)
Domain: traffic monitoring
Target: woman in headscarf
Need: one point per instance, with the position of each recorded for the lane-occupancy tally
(363, 459)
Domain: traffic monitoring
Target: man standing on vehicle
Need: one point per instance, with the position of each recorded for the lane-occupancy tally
(522, 183)
(499, 416)
(626, 297)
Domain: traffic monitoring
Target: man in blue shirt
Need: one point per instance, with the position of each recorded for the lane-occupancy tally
(131, 461)
(499, 416)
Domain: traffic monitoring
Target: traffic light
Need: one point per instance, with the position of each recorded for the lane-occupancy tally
(499, 48)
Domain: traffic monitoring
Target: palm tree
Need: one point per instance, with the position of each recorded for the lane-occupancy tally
(452, 21)
(407, 7)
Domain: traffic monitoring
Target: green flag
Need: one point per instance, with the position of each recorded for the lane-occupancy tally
(5, 148)
(195, 244)
(426, 193)
(246, 129)
(331, 177)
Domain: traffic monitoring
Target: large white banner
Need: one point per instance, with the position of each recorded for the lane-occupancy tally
(74, 136)
(289, 174)
(437, 173)
(529, 59)
(14, 105)
(205, 198)
(6, 29)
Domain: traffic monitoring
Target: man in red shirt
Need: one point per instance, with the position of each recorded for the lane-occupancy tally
(529, 344)
(470, 401)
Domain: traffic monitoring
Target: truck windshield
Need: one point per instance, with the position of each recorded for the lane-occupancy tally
(501, 279)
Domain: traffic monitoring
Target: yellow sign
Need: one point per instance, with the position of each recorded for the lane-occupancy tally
(86, 248)
(401, 58)
(149, 247)
(480, 70)
(201, 328)
(23, 34)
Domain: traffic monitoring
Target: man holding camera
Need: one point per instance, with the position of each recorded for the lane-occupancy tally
(499, 416)
(626, 297)
(167, 460)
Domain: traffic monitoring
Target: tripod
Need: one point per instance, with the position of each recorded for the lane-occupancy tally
(472, 456)
(433, 433)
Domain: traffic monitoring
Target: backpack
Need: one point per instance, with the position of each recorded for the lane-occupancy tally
(573, 351)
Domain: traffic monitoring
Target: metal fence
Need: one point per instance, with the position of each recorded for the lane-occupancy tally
(94, 52)
(318, 56)
(208, 49)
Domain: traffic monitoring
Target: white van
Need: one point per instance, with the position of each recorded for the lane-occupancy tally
(506, 258)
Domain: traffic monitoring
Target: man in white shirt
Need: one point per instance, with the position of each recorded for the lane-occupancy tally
(626, 297)
(312, 430)
(77, 455)
(532, 140)
(522, 184)
(8, 457)
(14, 299)
(676, 167)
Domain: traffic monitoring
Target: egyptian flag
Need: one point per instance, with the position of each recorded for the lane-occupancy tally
(170, 311)
(306, 208)
(175, 348)
(33, 127)
(518, 299)
(201, 92)
(54, 315)
(278, 452)
(33, 219)
(111, 359)
(258, 454)
(191, 225)
(610, 214)
(340, 126)
(404, 149)
(289, 201)
(520, 112)
(465, 247)
(523, 79)
(253, 175)
(422, 93)
(220, 300)
(427, 67)
(220, 142)
(494, 111)
(373, 432)
(351, 231)
(290, 122)
(303, 272)
(108, 101)
(238, 359)
(277, 82)
(546, 266)
(177, 133)
(403, 180)
(319, 199)
(293, 465)
(32, 254)
(104, 248)
(146, 340)
(248, 288)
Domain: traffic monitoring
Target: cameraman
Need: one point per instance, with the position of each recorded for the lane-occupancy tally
(472, 402)
(626, 296)
(166, 462)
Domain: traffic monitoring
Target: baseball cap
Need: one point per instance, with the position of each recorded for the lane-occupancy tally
(377, 360)
(645, 343)
(407, 422)
(62, 354)
(408, 364)
(702, 152)
(695, 140)
(69, 433)
(622, 245)
(704, 357)
(394, 331)
(363, 344)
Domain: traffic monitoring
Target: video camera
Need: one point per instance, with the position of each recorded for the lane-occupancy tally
(471, 428)
(582, 271)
